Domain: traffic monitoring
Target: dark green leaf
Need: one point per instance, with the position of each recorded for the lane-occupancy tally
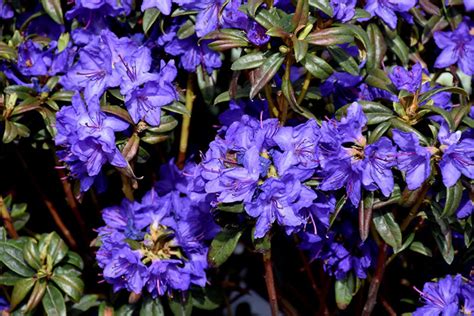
(9, 278)
(53, 302)
(340, 203)
(388, 229)
(418, 247)
(428, 95)
(21, 91)
(54, 10)
(52, 245)
(300, 17)
(317, 66)
(222, 246)
(37, 295)
(300, 47)
(207, 298)
(249, 61)
(86, 303)
(442, 234)
(226, 97)
(330, 37)
(10, 132)
(380, 47)
(167, 124)
(346, 61)
(365, 215)
(49, 119)
(453, 199)
(266, 72)
(74, 259)
(253, 5)
(344, 291)
(7, 52)
(181, 307)
(379, 79)
(62, 95)
(375, 112)
(151, 307)
(267, 18)
(71, 285)
(118, 111)
(177, 107)
(186, 30)
(398, 46)
(322, 5)
(206, 84)
(12, 257)
(149, 18)
(31, 254)
(445, 114)
(20, 290)
(231, 208)
(435, 23)
(379, 131)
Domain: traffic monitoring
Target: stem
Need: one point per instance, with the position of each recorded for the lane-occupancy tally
(7, 220)
(183, 142)
(304, 89)
(414, 210)
(387, 306)
(71, 200)
(271, 105)
(270, 282)
(377, 279)
(49, 205)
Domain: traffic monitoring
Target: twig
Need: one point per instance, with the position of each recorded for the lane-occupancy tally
(270, 282)
(7, 220)
(71, 201)
(49, 205)
(376, 280)
(304, 89)
(271, 105)
(387, 306)
(127, 187)
(414, 209)
(183, 142)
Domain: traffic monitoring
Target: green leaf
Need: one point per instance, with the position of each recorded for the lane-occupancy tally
(317, 66)
(365, 215)
(12, 257)
(53, 302)
(86, 303)
(167, 124)
(398, 46)
(330, 36)
(10, 132)
(344, 290)
(379, 79)
(253, 5)
(37, 295)
(380, 47)
(9, 278)
(149, 18)
(74, 259)
(31, 254)
(222, 246)
(119, 112)
(379, 131)
(8, 52)
(20, 290)
(322, 5)
(300, 47)
(340, 203)
(226, 39)
(249, 61)
(388, 229)
(177, 107)
(346, 61)
(231, 207)
(418, 247)
(181, 307)
(186, 30)
(453, 199)
(226, 97)
(54, 10)
(52, 245)
(71, 285)
(62, 95)
(267, 18)
(375, 112)
(152, 307)
(266, 72)
(445, 114)
(442, 234)
(49, 119)
(429, 94)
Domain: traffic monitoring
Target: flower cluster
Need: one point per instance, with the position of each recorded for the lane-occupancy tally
(158, 244)
(451, 295)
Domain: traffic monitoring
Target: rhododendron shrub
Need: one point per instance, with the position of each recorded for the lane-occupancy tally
(210, 157)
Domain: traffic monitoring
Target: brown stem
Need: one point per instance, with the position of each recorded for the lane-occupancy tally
(376, 280)
(271, 105)
(71, 201)
(7, 220)
(387, 306)
(270, 282)
(414, 209)
(304, 89)
(127, 187)
(183, 142)
(49, 205)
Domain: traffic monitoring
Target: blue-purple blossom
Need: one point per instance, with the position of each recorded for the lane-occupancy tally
(344, 10)
(387, 9)
(457, 47)
(86, 8)
(342, 86)
(4, 304)
(257, 34)
(87, 138)
(6, 11)
(412, 158)
(409, 80)
(155, 245)
(458, 156)
(32, 60)
(163, 5)
(441, 298)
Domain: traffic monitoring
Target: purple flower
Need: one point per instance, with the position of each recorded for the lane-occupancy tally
(192, 54)
(257, 34)
(466, 206)
(344, 10)
(87, 136)
(342, 86)
(32, 60)
(85, 8)
(458, 156)
(6, 11)
(469, 4)
(407, 80)
(457, 47)
(386, 9)
(412, 158)
(279, 200)
(4, 304)
(441, 297)
(163, 5)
